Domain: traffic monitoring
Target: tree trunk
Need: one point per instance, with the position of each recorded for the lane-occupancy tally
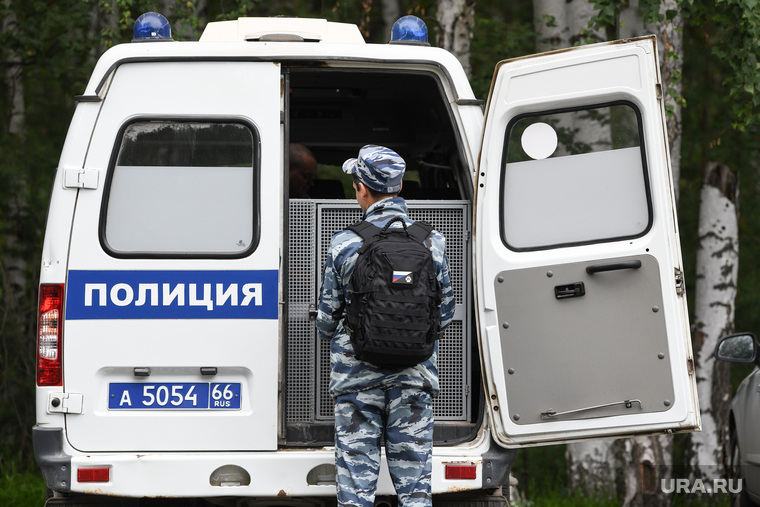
(644, 462)
(591, 467)
(456, 18)
(669, 34)
(563, 24)
(13, 76)
(717, 271)
(14, 265)
(391, 12)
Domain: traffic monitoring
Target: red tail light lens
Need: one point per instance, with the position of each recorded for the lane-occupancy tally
(461, 472)
(50, 335)
(93, 474)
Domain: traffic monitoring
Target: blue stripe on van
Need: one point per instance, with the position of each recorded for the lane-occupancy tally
(172, 294)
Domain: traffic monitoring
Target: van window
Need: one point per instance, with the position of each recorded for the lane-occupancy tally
(181, 188)
(575, 177)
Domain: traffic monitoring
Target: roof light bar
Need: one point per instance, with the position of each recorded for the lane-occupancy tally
(409, 30)
(152, 26)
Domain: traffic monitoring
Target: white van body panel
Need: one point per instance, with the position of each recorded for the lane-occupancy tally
(178, 347)
(280, 474)
(579, 350)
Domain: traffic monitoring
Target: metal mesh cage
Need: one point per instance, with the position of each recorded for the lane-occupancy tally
(312, 224)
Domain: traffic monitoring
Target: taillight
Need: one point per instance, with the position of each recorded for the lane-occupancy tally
(100, 474)
(461, 472)
(50, 335)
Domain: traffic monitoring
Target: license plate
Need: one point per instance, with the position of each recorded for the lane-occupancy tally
(180, 395)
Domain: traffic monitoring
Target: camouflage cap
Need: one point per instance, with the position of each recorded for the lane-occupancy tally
(377, 167)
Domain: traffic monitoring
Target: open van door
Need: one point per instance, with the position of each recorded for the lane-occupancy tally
(581, 308)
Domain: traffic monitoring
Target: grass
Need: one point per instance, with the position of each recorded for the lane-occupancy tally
(22, 488)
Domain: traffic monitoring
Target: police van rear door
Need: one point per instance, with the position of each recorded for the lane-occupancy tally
(581, 308)
(171, 331)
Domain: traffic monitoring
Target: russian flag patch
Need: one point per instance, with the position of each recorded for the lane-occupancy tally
(402, 277)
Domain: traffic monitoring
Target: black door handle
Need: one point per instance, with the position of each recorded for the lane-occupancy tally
(571, 290)
(613, 266)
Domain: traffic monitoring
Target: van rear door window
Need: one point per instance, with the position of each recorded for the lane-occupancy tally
(575, 177)
(182, 188)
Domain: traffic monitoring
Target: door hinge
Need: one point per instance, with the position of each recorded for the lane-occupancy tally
(64, 403)
(680, 285)
(77, 177)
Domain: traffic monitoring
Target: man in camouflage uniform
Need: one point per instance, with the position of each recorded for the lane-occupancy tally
(373, 401)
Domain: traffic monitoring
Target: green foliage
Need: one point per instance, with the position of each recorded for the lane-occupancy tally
(607, 15)
(608, 12)
(21, 488)
(499, 34)
(731, 33)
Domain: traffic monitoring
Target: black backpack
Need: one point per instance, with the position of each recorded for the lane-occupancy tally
(394, 318)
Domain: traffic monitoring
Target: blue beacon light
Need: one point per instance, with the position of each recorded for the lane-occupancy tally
(409, 30)
(152, 26)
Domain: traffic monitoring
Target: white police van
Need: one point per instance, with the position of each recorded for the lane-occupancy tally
(177, 355)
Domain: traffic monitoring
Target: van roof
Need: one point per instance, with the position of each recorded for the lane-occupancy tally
(324, 54)
(281, 29)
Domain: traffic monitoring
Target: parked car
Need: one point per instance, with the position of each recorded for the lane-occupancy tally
(745, 417)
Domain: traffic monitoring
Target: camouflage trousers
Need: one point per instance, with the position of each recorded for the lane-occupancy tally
(404, 417)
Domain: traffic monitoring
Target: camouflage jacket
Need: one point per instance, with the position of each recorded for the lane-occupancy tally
(348, 373)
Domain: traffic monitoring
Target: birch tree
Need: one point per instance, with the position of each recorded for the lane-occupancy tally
(456, 18)
(13, 75)
(663, 19)
(391, 12)
(717, 272)
(564, 24)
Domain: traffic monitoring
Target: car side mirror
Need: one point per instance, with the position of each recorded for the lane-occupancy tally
(737, 348)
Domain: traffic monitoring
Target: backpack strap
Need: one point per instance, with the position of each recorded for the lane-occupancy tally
(365, 230)
(420, 230)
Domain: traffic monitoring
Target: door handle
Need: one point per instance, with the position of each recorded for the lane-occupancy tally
(572, 290)
(613, 266)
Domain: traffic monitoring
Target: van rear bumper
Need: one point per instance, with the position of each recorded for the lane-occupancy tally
(282, 473)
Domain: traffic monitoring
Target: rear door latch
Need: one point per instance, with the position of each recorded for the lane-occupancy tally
(571, 290)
